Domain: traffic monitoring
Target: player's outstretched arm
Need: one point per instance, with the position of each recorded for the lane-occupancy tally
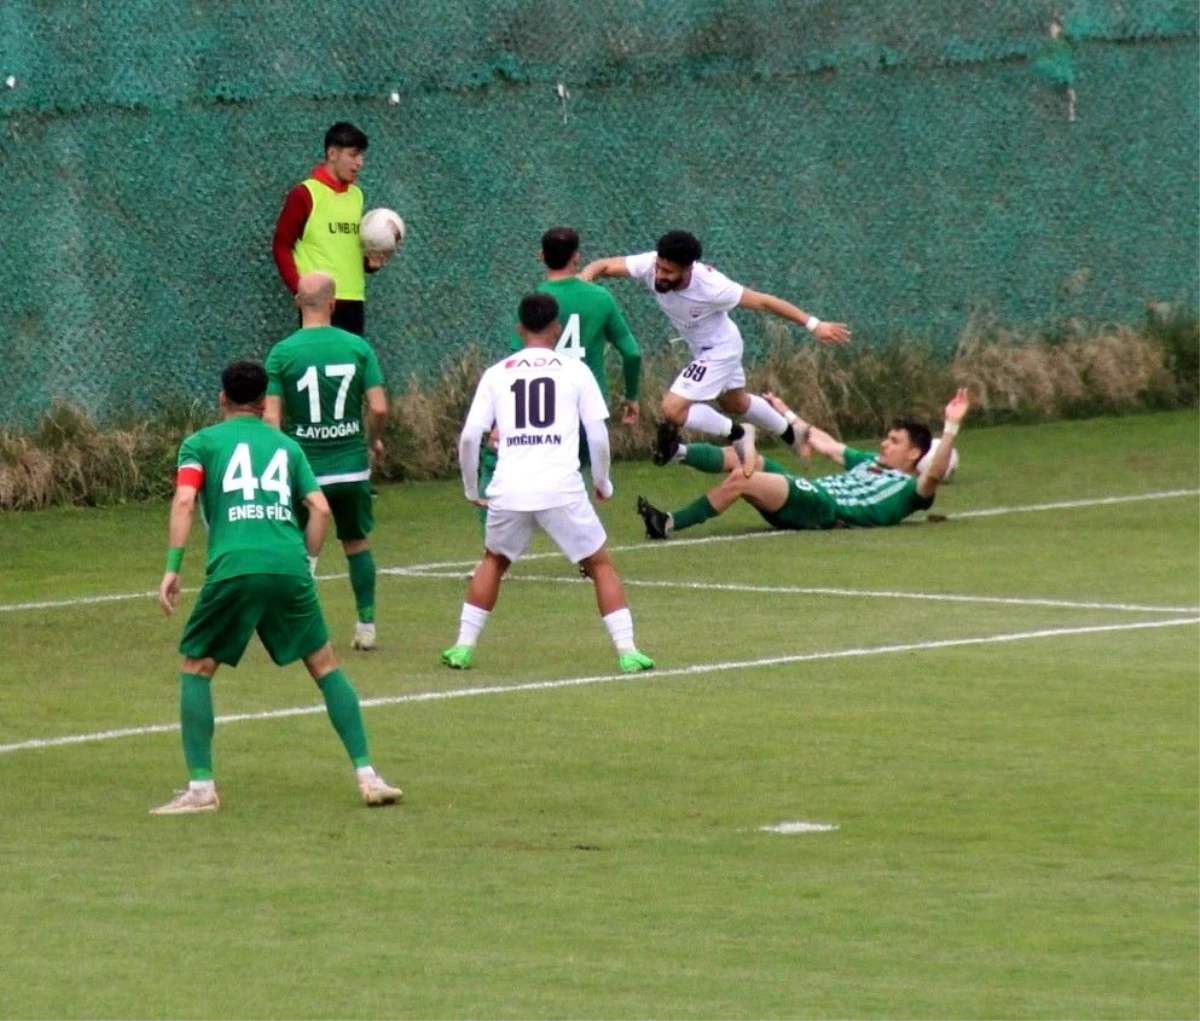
(183, 512)
(817, 439)
(825, 333)
(955, 412)
(614, 266)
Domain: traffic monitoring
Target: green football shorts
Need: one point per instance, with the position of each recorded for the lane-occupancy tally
(351, 505)
(806, 507)
(282, 608)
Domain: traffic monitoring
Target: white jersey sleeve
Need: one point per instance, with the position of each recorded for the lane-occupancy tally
(714, 289)
(482, 415)
(641, 267)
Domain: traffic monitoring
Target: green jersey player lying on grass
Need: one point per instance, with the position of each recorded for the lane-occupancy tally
(875, 489)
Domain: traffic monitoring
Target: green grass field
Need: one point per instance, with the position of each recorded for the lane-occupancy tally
(998, 713)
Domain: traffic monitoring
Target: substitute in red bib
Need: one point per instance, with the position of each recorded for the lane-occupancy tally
(317, 228)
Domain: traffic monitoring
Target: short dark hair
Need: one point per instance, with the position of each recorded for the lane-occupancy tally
(918, 433)
(344, 135)
(558, 245)
(537, 311)
(244, 382)
(679, 247)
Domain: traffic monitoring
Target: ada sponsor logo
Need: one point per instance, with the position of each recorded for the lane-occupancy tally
(532, 361)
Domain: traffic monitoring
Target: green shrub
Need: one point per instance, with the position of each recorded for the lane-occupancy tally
(67, 459)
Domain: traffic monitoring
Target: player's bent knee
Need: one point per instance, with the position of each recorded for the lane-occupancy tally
(204, 667)
(598, 559)
(499, 561)
(675, 408)
(735, 402)
(321, 662)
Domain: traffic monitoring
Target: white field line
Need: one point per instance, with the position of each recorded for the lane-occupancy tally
(802, 590)
(418, 569)
(1168, 494)
(695, 669)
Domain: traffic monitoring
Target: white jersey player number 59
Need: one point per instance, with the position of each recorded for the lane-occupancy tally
(569, 340)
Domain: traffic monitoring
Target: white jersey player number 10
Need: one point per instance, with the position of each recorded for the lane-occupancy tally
(534, 402)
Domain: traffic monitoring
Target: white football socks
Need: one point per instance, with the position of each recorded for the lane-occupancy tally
(703, 419)
(761, 414)
(620, 629)
(470, 624)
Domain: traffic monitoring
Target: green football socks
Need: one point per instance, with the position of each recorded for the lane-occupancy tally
(695, 513)
(705, 457)
(197, 724)
(362, 580)
(345, 713)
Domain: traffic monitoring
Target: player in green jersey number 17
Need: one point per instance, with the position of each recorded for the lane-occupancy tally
(318, 381)
(874, 490)
(248, 479)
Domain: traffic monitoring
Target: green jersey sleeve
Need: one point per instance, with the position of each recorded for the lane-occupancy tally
(274, 373)
(616, 329)
(854, 457)
(190, 453)
(372, 373)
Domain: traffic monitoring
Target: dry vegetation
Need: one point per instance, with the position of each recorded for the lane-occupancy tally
(68, 459)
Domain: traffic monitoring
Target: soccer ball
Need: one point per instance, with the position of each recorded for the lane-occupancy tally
(927, 460)
(377, 232)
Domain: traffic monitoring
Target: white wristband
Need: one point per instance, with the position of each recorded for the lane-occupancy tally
(949, 428)
(812, 323)
(791, 416)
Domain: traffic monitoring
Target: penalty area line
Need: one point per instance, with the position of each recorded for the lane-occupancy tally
(813, 590)
(641, 547)
(696, 669)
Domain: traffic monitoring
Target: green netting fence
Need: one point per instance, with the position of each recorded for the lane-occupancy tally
(900, 166)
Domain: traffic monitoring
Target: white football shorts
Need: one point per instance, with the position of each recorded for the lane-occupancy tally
(707, 378)
(574, 527)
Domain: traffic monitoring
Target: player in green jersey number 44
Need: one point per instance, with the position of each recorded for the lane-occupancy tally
(248, 478)
(318, 381)
(875, 489)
